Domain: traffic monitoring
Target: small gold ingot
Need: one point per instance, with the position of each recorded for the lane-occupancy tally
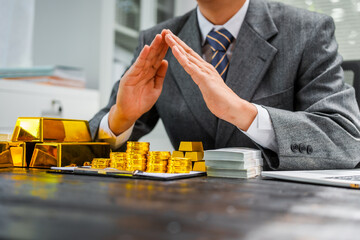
(48, 155)
(178, 154)
(39, 129)
(199, 166)
(195, 156)
(191, 147)
(87, 164)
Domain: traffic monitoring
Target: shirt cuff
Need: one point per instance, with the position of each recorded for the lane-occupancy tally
(105, 134)
(261, 129)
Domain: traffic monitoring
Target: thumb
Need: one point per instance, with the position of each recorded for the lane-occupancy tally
(160, 74)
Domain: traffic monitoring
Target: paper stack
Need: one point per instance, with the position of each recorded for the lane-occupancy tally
(65, 76)
(233, 162)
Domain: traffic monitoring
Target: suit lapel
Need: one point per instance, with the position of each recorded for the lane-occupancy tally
(190, 34)
(250, 60)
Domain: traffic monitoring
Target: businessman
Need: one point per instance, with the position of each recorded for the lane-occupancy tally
(240, 73)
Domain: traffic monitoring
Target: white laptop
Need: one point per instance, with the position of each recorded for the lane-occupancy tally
(342, 178)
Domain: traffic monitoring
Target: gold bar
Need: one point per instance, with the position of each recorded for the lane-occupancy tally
(39, 129)
(16, 151)
(178, 154)
(195, 156)
(5, 159)
(48, 155)
(199, 166)
(191, 147)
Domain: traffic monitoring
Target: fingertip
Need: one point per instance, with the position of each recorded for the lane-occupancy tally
(165, 62)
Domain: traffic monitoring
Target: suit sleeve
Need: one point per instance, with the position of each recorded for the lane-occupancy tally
(143, 125)
(323, 131)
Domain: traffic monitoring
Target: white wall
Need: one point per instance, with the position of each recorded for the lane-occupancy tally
(16, 24)
(67, 32)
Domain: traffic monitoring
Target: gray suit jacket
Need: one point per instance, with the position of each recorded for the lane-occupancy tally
(286, 60)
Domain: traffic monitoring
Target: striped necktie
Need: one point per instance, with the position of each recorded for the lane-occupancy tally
(219, 42)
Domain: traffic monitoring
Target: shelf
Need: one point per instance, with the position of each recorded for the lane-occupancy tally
(127, 31)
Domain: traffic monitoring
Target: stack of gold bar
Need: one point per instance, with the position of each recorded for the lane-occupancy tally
(47, 142)
(118, 160)
(157, 162)
(194, 151)
(100, 163)
(136, 155)
(179, 165)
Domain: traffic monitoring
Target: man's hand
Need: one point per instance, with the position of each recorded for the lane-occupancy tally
(140, 87)
(219, 98)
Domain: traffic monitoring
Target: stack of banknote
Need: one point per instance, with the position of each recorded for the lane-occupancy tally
(233, 162)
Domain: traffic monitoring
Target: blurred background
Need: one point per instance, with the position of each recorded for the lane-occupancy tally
(99, 37)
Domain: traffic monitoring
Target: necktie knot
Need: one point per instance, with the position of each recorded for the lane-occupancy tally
(219, 40)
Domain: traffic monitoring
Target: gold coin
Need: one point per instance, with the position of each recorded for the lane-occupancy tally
(136, 156)
(135, 167)
(100, 163)
(157, 161)
(117, 155)
(136, 161)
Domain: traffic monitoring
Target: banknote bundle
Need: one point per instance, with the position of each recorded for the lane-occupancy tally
(234, 162)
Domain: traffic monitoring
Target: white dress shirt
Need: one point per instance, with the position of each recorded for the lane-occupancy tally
(261, 130)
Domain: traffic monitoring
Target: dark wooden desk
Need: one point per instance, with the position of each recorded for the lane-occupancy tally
(37, 205)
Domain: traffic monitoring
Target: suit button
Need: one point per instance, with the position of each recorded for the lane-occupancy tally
(309, 149)
(302, 148)
(294, 147)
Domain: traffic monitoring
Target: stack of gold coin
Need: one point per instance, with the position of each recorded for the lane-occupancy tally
(179, 165)
(136, 155)
(137, 147)
(136, 162)
(157, 162)
(118, 160)
(100, 163)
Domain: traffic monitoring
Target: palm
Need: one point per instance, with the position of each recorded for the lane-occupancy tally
(140, 87)
(137, 97)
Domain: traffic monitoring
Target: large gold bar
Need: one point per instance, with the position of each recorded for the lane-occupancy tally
(12, 153)
(18, 153)
(5, 155)
(39, 129)
(191, 147)
(48, 155)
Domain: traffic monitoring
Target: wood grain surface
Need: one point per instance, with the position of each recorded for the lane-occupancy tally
(39, 205)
